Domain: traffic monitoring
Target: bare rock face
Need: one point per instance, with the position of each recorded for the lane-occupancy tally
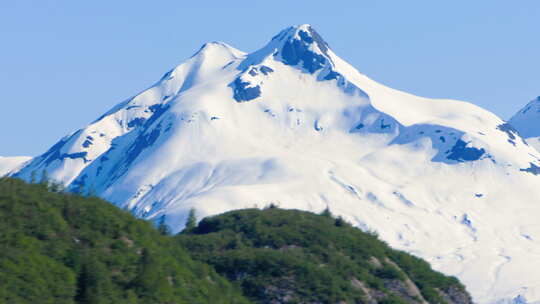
(455, 296)
(405, 289)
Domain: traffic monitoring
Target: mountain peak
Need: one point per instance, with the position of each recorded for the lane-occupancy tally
(300, 46)
(294, 124)
(217, 47)
(304, 33)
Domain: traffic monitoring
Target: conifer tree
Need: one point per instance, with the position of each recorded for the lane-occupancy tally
(162, 226)
(271, 206)
(340, 222)
(93, 283)
(146, 275)
(326, 212)
(151, 283)
(191, 222)
(55, 186)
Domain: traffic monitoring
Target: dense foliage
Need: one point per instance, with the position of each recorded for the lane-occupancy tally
(57, 247)
(65, 248)
(300, 257)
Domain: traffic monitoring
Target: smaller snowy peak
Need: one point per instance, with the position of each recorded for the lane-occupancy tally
(527, 120)
(210, 58)
(218, 48)
(136, 114)
(201, 67)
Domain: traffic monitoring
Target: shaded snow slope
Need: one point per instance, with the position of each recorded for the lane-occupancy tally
(295, 125)
(12, 163)
(527, 122)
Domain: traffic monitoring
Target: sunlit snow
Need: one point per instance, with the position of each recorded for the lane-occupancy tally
(438, 178)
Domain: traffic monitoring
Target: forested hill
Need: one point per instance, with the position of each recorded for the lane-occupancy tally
(58, 247)
(64, 248)
(291, 256)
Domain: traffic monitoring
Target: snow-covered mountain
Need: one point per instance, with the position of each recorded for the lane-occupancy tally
(12, 163)
(295, 125)
(527, 122)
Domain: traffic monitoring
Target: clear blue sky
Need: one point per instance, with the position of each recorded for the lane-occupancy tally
(64, 63)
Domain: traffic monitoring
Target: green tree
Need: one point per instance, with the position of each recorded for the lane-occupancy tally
(162, 226)
(340, 222)
(93, 282)
(55, 186)
(191, 222)
(271, 206)
(151, 282)
(326, 212)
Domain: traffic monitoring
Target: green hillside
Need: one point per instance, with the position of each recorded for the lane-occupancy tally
(58, 247)
(64, 248)
(290, 256)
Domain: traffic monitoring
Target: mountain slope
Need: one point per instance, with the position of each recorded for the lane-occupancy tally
(295, 125)
(14, 163)
(526, 122)
(63, 248)
(298, 257)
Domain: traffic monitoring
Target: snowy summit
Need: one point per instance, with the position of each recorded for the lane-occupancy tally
(295, 125)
